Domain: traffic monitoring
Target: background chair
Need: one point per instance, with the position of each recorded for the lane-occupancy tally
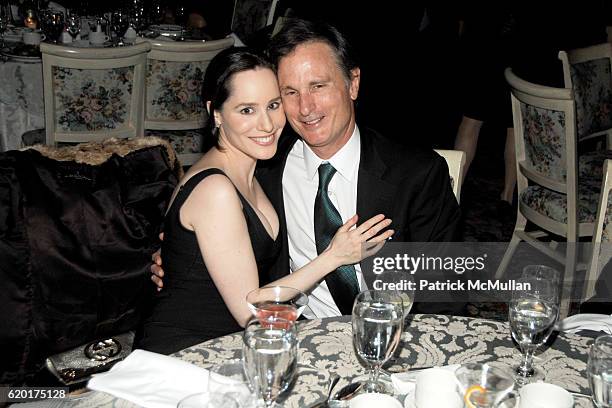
(550, 194)
(455, 159)
(174, 108)
(602, 237)
(587, 71)
(92, 93)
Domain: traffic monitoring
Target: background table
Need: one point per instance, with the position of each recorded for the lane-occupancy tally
(21, 101)
(428, 340)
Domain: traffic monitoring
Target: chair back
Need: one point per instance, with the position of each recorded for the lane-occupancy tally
(175, 73)
(455, 159)
(587, 71)
(545, 132)
(92, 94)
(602, 237)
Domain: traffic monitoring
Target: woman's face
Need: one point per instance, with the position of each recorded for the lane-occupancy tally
(252, 118)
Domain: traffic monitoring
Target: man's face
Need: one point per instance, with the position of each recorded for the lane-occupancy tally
(317, 97)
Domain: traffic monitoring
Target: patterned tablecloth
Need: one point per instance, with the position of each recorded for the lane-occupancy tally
(21, 101)
(428, 340)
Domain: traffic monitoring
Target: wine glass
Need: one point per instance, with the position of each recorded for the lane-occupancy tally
(599, 371)
(270, 357)
(208, 400)
(377, 321)
(230, 378)
(278, 301)
(52, 24)
(73, 25)
(484, 386)
(119, 24)
(533, 310)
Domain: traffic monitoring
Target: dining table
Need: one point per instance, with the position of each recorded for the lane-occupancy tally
(325, 348)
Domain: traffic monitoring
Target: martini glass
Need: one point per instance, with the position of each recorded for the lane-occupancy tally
(277, 301)
(484, 386)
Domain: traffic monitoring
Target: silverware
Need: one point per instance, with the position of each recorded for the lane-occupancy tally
(332, 383)
(580, 394)
(348, 391)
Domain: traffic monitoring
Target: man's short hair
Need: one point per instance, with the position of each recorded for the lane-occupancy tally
(296, 32)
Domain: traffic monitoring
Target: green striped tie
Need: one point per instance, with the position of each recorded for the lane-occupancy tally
(342, 283)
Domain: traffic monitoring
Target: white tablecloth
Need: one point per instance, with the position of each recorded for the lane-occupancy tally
(21, 101)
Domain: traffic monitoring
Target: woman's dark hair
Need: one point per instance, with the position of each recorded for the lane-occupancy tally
(217, 81)
(296, 32)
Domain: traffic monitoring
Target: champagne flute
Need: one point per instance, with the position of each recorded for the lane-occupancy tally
(599, 371)
(270, 357)
(533, 310)
(377, 321)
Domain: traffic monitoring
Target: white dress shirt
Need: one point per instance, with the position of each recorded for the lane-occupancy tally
(300, 184)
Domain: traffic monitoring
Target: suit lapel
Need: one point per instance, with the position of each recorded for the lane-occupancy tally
(374, 194)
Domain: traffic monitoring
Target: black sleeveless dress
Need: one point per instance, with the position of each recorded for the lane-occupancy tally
(190, 309)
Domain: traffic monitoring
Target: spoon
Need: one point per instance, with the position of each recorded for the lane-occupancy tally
(348, 391)
(332, 383)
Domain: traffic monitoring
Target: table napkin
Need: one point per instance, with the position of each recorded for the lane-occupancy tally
(151, 380)
(405, 383)
(587, 321)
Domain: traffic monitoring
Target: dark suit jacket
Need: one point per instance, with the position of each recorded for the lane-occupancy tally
(410, 186)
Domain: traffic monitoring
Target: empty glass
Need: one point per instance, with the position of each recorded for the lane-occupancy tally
(230, 378)
(208, 400)
(377, 321)
(270, 357)
(533, 310)
(599, 371)
(73, 25)
(484, 386)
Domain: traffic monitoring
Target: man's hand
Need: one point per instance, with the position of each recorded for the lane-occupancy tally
(157, 273)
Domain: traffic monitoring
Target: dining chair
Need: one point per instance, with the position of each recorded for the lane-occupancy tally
(174, 108)
(602, 237)
(587, 71)
(93, 93)
(550, 194)
(455, 159)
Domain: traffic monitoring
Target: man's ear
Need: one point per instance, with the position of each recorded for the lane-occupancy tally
(354, 84)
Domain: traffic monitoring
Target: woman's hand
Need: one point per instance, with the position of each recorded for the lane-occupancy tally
(351, 245)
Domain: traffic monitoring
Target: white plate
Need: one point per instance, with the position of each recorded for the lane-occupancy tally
(509, 403)
(166, 28)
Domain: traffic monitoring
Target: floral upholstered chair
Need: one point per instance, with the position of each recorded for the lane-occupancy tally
(551, 195)
(174, 109)
(602, 237)
(588, 72)
(93, 94)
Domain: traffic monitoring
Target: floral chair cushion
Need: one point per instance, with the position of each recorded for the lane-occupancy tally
(544, 134)
(554, 205)
(174, 90)
(182, 141)
(606, 232)
(592, 83)
(92, 99)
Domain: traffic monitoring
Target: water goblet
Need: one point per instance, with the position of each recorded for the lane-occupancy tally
(278, 301)
(377, 322)
(208, 400)
(73, 25)
(52, 24)
(270, 357)
(533, 311)
(484, 386)
(599, 371)
(230, 378)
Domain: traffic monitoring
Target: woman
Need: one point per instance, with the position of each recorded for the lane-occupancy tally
(221, 231)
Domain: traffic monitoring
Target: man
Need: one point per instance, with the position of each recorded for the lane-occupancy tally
(319, 82)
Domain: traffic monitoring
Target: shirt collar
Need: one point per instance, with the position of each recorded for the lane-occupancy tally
(344, 161)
